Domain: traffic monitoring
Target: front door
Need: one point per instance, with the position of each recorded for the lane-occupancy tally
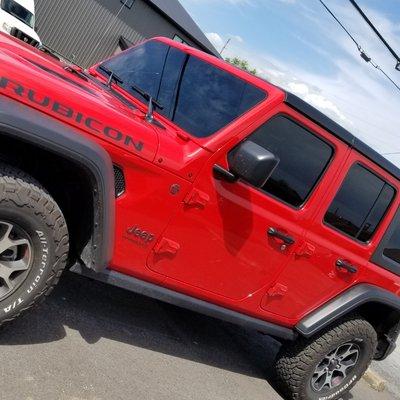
(227, 234)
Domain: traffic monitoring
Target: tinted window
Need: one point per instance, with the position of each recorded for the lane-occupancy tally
(198, 97)
(16, 10)
(179, 39)
(360, 204)
(303, 159)
(210, 98)
(141, 66)
(387, 255)
(392, 249)
(127, 3)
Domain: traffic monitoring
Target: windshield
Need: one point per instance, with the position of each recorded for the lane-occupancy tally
(17, 11)
(197, 96)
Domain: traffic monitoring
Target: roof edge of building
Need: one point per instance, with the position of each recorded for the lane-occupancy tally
(209, 48)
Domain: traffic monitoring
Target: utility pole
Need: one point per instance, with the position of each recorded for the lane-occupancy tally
(225, 46)
(368, 21)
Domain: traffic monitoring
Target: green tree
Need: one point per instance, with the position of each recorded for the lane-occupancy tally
(242, 64)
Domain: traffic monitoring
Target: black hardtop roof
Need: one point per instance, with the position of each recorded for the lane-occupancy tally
(325, 122)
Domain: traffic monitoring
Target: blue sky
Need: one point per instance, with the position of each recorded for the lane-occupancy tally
(297, 45)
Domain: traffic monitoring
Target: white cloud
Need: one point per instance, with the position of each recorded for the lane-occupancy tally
(316, 99)
(216, 40)
(280, 75)
(352, 92)
(237, 38)
(355, 95)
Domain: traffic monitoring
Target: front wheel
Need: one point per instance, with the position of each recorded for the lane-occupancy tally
(33, 242)
(329, 365)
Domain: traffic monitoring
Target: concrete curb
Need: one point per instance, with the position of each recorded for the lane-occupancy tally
(375, 381)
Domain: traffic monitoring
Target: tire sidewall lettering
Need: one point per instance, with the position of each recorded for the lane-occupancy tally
(33, 282)
(341, 390)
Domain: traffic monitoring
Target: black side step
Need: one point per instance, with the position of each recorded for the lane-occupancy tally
(184, 301)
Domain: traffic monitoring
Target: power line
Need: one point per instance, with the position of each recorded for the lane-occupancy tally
(337, 20)
(363, 54)
(384, 73)
(368, 21)
(391, 154)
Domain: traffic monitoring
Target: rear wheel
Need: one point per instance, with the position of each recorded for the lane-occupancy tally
(33, 242)
(329, 365)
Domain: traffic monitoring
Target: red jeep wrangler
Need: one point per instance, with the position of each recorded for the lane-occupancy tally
(173, 174)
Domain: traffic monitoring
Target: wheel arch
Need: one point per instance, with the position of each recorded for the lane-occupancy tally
(368, 301)
(49, 146)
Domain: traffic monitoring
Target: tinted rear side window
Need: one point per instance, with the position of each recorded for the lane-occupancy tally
(387, 254)
(392, 249)
(210, 98)
(303, 159)
(360, 204)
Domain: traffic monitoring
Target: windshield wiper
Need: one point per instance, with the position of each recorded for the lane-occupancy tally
(113, 77)
(152, 103)
(55, 54)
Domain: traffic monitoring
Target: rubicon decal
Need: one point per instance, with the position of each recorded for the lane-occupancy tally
(67, 112)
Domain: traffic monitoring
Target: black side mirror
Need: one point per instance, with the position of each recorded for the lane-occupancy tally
(252, 163)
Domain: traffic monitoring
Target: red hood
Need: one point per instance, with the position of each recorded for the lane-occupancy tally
(38, 80)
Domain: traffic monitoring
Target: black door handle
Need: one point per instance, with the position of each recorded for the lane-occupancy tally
(342, 264)
(279, 235)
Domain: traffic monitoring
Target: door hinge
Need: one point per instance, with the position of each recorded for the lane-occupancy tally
(166, 246)
(197, 198)
(278, 290)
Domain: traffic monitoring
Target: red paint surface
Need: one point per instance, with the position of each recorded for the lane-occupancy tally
(210, 237)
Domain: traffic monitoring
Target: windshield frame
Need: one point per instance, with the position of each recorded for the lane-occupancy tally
(6, 6)
(168, 44)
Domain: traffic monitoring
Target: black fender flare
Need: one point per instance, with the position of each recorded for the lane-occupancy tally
(347, 302)
(29, 125)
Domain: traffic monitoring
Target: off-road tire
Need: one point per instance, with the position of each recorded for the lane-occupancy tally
(297, 362)
(25, 204)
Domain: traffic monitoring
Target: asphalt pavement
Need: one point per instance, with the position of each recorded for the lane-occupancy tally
(91, 341)
(389, 371)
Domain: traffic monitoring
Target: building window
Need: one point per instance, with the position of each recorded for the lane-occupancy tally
(180, 40)
(127, 3)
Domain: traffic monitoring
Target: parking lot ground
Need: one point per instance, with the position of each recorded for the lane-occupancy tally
(90, 341)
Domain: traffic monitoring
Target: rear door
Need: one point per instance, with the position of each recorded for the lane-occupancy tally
(340, 240)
